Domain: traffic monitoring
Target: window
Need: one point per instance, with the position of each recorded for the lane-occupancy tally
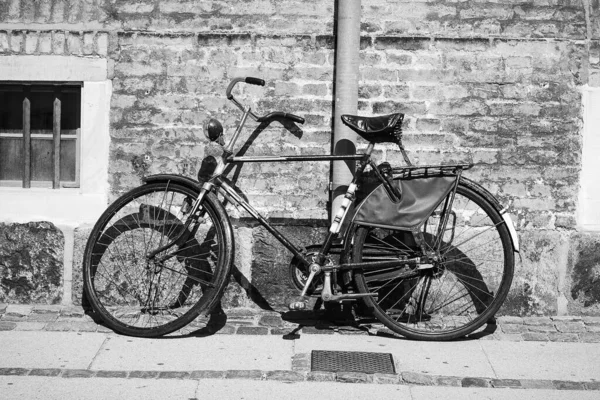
(69, 206)
(40, 134)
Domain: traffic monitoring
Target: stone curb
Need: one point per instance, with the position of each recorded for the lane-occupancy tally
(401, 378)
(19, 317)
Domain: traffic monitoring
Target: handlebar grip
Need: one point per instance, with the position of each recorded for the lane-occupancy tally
(295, 118)
(255, 81)
(250, 80)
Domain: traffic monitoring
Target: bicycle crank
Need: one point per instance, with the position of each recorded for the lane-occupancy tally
(328, 295)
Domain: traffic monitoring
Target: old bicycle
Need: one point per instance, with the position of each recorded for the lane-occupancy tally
(429, 252)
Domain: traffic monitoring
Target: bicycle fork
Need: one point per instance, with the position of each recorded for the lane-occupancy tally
(185, 232)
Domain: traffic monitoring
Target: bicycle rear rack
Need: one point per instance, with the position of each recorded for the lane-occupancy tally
(424, 171)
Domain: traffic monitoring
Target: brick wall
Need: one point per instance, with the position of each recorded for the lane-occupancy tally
(497, 82)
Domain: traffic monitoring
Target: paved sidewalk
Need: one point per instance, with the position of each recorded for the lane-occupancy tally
(86, 360)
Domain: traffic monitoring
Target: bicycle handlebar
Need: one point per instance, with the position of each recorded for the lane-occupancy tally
(259, 82)
(249, 79)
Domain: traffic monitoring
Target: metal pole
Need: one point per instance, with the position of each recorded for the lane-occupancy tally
(346, 94)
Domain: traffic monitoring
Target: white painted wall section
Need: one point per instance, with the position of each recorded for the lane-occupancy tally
(588, 217)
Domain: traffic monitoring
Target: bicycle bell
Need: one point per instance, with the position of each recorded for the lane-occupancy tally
(213, 130)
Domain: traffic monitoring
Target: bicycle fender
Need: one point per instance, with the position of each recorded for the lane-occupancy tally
(182, 180)
(501, 210)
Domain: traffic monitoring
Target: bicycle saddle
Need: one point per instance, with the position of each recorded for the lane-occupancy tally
(375, 129)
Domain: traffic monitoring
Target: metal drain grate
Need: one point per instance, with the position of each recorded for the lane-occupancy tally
(352, 361)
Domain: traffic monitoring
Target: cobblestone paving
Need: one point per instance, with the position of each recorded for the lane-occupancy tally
(301, 372)
(258, 322)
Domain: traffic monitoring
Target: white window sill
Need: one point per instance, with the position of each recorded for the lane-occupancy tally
(61, 206)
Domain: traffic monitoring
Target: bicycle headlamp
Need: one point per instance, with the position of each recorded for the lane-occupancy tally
(213, 130)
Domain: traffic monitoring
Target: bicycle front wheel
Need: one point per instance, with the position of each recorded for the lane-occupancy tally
(139, 292)
(453, 296)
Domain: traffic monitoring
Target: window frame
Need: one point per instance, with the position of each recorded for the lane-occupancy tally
(56, 135)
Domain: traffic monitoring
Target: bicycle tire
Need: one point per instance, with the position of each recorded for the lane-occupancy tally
(456, 297)
(136, 296)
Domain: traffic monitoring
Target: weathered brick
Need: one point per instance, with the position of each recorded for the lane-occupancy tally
(31, 42)
(386, 379)
(513, 328)
(536, 384)
(321, 376)
(78, 373)
(418, 378)
(535, 336)
(568, 385)
(592, 385)
(475, 382)
(58, 11)
(591, 321)
(563, 337)
(102, 43)
(46, 317)
(245, 374)
(574, 326)
(144, 374)
(88, 43)
(448, 381)
(43, 11)
(353, 377)
(505, 383)
(111, 374)
(7, 325)
(4, 45)
(74, 43)
(271, 321)
(45, 372)
(14, 371)
(541, 328)
(58, 43)
(589, 337)
(208, 374)
(286, 376)
(173, 375)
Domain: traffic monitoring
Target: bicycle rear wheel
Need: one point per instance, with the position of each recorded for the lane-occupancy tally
(459, 293)
(138, 295)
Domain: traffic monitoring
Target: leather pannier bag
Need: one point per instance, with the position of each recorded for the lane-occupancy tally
(420, 196)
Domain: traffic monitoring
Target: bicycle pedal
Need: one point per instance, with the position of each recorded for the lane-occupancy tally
(297, 306)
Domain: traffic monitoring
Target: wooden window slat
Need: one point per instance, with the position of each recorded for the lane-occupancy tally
(56, 136)
(26, 138)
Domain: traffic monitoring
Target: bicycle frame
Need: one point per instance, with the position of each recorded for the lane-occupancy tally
(220, 185)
